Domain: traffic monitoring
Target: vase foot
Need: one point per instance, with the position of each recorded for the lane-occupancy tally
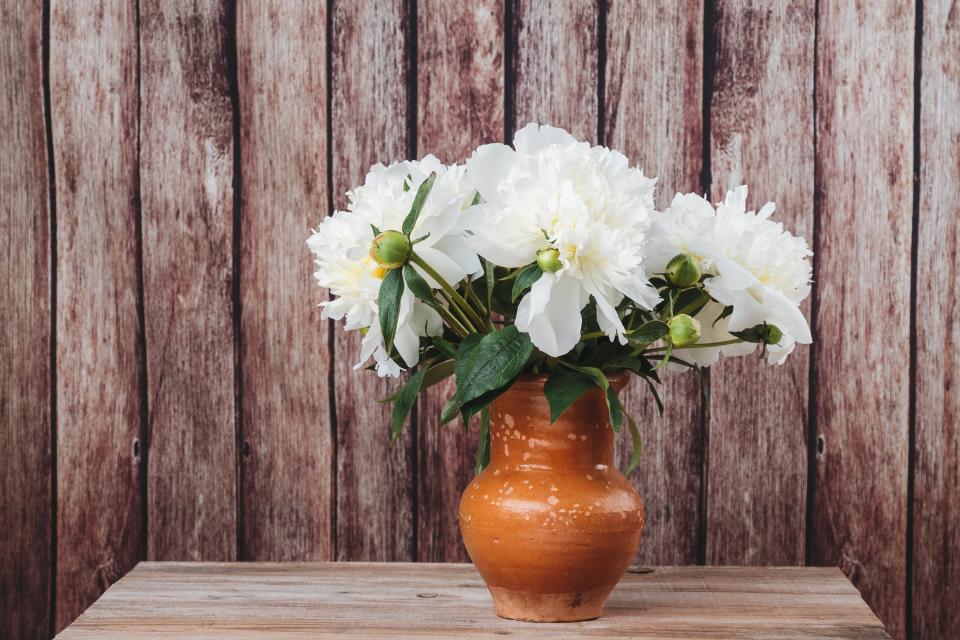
(530, 606)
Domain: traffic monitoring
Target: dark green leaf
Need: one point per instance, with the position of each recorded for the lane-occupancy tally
(375, 229)
(727, 311)
(656, 397)
(492, 363)
(476, 199)
(404, 403)
(445, 347)
(563, 388)
(418, 286)
(483, 446)
(615, 408)
(691, 300)
(490, 277)
(637, 445)
(411, 220)
(525, 279)
(388, 303)
(648, 333)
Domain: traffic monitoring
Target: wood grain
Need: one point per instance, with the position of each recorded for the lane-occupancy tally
(93, 92)
(187, 190)
(375, 483)
(287, 448)
(762, 122)
(862, 325)
(555, 65)
(936, 510)
(25, 413)
(656, 119)
(460, 106)
(400, 600)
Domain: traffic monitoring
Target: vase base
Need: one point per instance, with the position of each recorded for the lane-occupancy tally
(530, 606)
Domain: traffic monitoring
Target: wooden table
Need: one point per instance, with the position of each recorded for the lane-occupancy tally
(403, 600)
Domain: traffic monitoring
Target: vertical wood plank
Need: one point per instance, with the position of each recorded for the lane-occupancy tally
(25, 415)
(460, 106)
(375, 483)
(556, 65)
(93, 87)
(287, 446)
(187, 191)
(864, 183)
(936, 509)
(762, 136)
(653, 113)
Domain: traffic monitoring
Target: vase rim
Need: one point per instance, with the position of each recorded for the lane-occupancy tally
(618, 379)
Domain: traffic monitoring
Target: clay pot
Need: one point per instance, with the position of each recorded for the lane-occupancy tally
(550, 524)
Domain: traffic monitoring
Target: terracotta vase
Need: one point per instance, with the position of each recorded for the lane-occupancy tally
(550, 524)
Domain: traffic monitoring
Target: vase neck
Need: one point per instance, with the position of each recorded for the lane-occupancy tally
(521, 434)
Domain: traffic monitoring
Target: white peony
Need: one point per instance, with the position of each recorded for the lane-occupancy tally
(759, 269)
(341, 246)
(551, 191)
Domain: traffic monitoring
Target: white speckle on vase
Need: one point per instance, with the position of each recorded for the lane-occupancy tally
(508, 420)
(589, 477)
(553, 500)
(506, 450)
(583, 437)
(572, 436)
(496, 472)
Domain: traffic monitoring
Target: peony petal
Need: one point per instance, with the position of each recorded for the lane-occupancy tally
(786, 314)
(534, 138)
(555, 328)
(446, 266)
(488, 228)
(488, 167)
(457, 248)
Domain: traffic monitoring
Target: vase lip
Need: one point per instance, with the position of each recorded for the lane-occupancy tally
(618, 379)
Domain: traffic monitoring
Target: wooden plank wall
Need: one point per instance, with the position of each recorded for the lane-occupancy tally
(167, 390)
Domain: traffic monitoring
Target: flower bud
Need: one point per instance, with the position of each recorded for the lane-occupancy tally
(549, 260)
(771, 333)
(684, 330)
(390, 249)
(683, 270)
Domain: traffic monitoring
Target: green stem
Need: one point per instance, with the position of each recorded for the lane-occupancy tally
(455, 325)
(592, 335)
(484, 312)
(458, 312)
(703, 345)
(453, 293)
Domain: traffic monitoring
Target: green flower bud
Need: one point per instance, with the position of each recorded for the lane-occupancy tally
(390, 249)
(684, 330)
(683, 270)
(549, 260)
(770, 333)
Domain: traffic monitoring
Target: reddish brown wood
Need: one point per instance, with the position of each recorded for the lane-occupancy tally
(653, 104)
(460, 106)
(186, 176)
(25, 416)
(936, 509)
(762, 136)
(375, 486)
(862, 327)
(287, 448)
(556, 65)
(93, 92)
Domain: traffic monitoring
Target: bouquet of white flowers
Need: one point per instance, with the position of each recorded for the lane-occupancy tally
(549, 258)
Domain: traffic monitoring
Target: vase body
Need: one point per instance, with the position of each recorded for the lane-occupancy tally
(550, 524)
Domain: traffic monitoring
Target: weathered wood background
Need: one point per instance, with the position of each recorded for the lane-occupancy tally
(168, 391)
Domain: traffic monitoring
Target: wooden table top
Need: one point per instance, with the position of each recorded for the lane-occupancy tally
(405, 600)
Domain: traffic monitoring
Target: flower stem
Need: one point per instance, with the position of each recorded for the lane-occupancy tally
(458, 313)
(455, 296)
(592, 335)
(455, 325)
(484, 312)
(703, 345)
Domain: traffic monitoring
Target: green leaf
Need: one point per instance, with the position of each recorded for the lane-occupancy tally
(692, 300)
(727, 312)
(404, 403)
(489, 275)
(436, 374)
(615, 408)
(668, 351)
(637, 445)
(525, 279)
(476, 199)
(648, 332)
(418, 286)
(492, 363)
(411, 220)
(563, 388)
(388, 303)
(610, 396)
(445, 347)
(656, 397)
(375, 229)
(483, 447)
